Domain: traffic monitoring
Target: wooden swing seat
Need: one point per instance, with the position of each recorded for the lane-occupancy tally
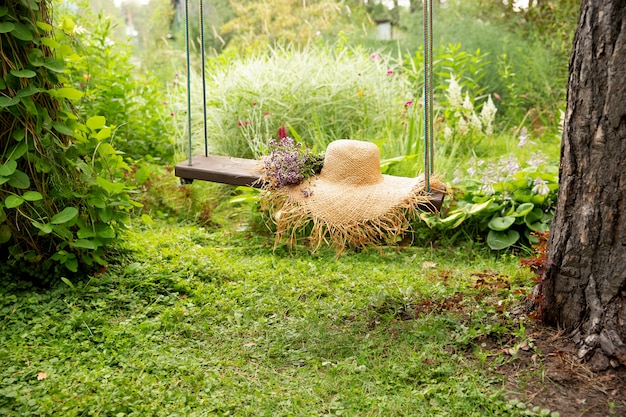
(247, 172)
(222, 169)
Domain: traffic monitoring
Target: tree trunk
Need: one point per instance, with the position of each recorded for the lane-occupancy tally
(584, 286)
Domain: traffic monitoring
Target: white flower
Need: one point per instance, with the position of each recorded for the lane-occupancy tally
(537, 159)
(540, 186)
(488, 115)
(510, 166)
(447, 133)
(454, 93)
(487, 189)
(522, 138)
(79, 30)
(467, 103)
(457, 176)
(475, 122)
(462, 127)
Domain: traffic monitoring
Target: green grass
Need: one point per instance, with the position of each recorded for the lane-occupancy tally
(193, 322)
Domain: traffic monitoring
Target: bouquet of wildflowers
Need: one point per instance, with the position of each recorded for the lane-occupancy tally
(289, 162)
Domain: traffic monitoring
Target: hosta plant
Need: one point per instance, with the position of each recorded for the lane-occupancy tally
(501, 201)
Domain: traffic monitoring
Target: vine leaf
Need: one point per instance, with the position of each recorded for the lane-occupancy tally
(65, 216)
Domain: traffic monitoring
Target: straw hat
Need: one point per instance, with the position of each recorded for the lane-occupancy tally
(350, 203)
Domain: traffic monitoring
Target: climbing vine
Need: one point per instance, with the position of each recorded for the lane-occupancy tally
(62, 201)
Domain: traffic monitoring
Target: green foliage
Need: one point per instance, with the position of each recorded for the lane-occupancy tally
(60, 199)
(501, 203)
(192, 322)
(259, 25)
(527, 51)
(113, 86)
(321, 93)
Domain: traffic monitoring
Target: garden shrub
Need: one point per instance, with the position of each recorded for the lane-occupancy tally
(62, 201)
(115, 87)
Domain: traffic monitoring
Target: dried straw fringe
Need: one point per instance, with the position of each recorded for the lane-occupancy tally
(292, 220)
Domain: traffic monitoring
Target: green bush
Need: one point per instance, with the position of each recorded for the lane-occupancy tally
(502, 203)
(115, 87)
(61, 198)
(527, 64)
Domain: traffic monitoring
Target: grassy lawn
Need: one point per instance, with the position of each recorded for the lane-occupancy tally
(192, 322)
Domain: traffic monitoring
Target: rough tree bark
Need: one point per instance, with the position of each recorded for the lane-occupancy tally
(584, 286)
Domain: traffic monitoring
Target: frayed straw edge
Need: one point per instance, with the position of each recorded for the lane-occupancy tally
(292, 219)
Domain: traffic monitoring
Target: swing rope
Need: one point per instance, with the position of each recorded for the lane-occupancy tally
(204, 121)
(190, 147)
(428, 92)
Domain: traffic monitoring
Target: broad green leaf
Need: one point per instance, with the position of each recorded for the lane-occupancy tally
(62, 231)
(96, 122)
(86, 233)
(103, 133)
(53, 64)
(45, 228)
(67, 24)
(3, 10)
(475, 208)
(68, 213)
(455, 219)
(62, 128)
(67, 92)
(501, 223)
(3, 85)
(106, 149)
(8, 101)
(105, 214)
(31, 3)
(4, 179)
(106, 231)
(71, 264)
(8, 168)
(19, 180)
(502, 240)
(5, 233)
(6, 27)
(13, 201)
(32, 196)
(523, 209)
(44, 26)
(83, 244)
(147, 220)
(538, 226)
(97, 202)
(17, 151)
(19, 134)
(110, 187)
(533, 216)
(30, 106)
(50, 43)
(22, 32)
(29, 90)
(25, 73)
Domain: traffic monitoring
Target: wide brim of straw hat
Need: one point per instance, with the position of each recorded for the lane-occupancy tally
(348, 217)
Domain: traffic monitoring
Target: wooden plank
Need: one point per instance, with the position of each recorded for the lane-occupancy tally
(436, 201)
(222, 169)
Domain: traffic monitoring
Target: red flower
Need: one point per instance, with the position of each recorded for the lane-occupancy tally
(282, 132)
